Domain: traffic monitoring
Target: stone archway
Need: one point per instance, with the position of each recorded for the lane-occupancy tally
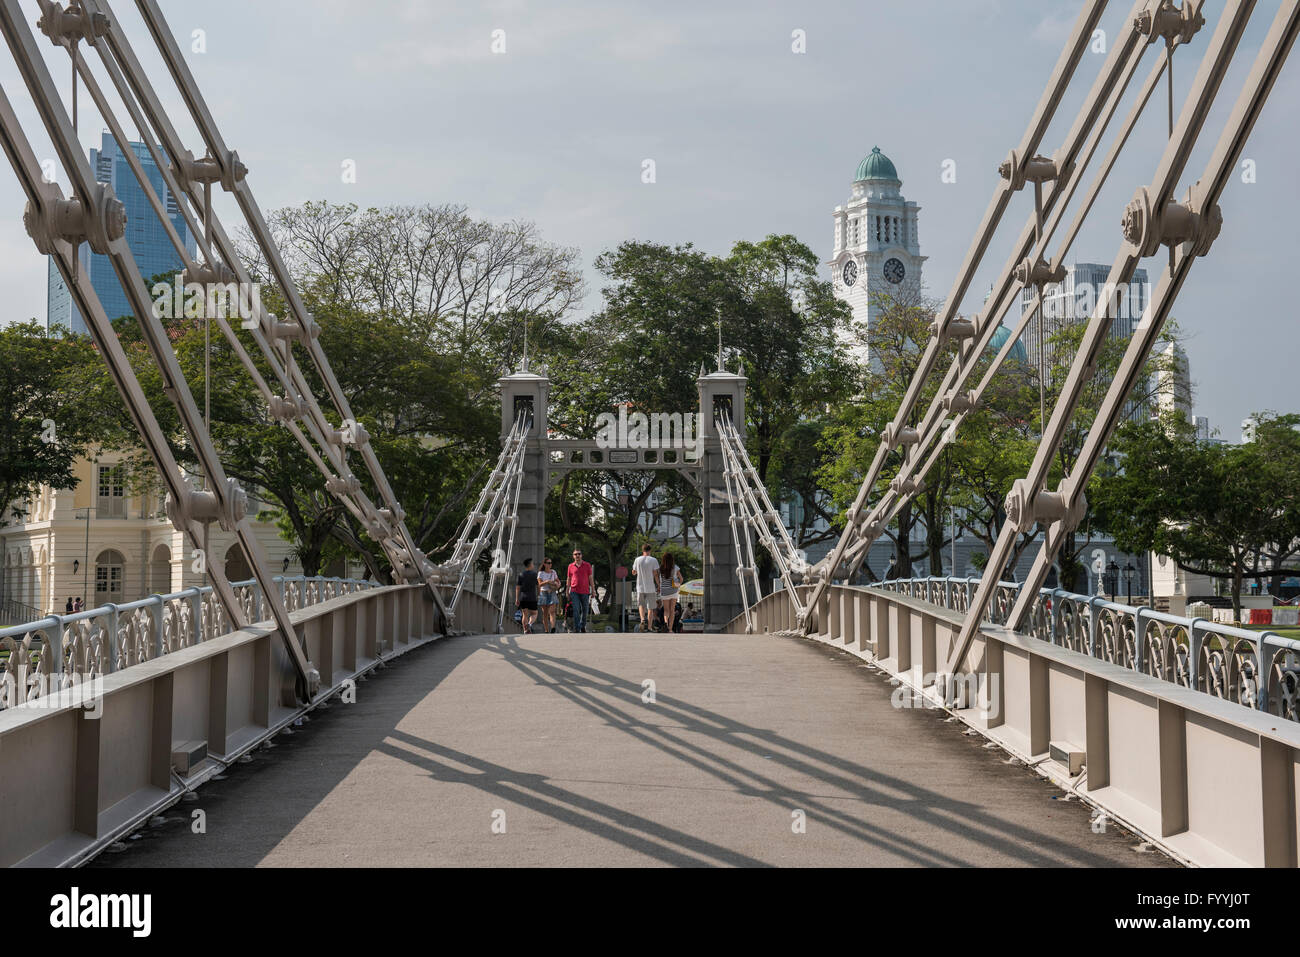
(546, 459)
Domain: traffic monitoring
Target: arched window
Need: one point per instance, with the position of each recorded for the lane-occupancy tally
(160, 571)
(237, 569)
(110, 568)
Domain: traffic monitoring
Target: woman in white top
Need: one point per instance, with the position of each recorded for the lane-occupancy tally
(670, 580)
(548, 594)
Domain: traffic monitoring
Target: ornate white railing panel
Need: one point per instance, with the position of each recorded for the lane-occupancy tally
(1255, 669)
(59, 652)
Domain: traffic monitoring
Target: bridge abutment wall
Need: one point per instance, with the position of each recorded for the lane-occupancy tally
(83, 766)
(1209, 781)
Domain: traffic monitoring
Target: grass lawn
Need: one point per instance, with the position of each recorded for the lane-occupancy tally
(1289, 632)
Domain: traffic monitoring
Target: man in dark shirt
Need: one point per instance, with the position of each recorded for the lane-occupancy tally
(526, 595)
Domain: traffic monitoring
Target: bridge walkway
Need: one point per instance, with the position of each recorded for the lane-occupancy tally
(549, 736)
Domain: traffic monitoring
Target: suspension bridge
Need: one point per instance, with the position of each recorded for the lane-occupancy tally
(929, 722)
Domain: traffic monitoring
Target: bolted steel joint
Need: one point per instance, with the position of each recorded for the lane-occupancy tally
(955, 328)
(1168, 21)
(66, 220)
(868, 529)
(1036, 169)
(301, 331)
(895, 437)
(352, 434)
(217, 273)
(72, 23)
(1038, 272)
(909, 486)
(284, 409)
(343, 485)
(227, 170)
(1178, 223)
(203, 506)
(1024, 508)
(959, 402)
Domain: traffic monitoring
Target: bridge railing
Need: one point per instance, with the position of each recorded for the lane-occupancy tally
(1255, 669)
(1209, 781)
(58, 651)
(81, 767)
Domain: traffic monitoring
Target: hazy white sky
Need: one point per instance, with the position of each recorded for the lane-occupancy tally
(748, 137)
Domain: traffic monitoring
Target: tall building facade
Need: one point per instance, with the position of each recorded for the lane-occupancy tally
(145, 235)
(877, 242)
(1071, 302)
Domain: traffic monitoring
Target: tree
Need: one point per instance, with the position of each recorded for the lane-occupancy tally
(1215, 509)
(893, 345)
(661, 316)
(54, 405)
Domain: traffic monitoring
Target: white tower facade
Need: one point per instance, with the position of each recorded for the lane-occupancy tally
(877, 242)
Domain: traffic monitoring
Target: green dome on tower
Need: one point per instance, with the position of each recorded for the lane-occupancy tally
(876, 166)
(1018, 352)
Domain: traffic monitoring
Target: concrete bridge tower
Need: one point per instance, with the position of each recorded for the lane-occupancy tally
(722, 393)
(525, 392)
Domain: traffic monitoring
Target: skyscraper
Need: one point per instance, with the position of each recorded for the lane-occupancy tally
(145, 235)
(1071, 302)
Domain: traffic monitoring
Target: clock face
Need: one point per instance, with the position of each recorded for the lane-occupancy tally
(894, 271)
(850, 273)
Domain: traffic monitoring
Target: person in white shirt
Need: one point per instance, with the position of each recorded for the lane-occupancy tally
(646, 569)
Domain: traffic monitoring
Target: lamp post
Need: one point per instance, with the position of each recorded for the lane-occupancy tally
(624, 502)
(1129, 569)
(1112, 573)
(85, 562)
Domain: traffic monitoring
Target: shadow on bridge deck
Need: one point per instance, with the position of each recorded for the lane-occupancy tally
(552, 731)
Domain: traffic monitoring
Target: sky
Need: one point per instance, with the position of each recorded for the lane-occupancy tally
(748, 137)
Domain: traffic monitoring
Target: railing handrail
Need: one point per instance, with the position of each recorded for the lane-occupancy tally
(1271, 638)
(56, 619)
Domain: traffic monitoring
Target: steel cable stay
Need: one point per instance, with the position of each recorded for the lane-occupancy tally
(95, 216)
(213, 267)
(497, 508)
(386, 524)
(754, 508)
(184, 176)
(743, 519)
(739, 522)
(1151, 220)
(937, 431)
(1202, 203)
(58, 226)
(1020, 162)
(1149, 20)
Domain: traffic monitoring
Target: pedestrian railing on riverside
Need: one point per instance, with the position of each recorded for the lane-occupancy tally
(1256, 669)
(59, 651)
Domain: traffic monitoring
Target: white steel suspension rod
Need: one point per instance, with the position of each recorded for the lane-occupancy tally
(1202, 201)
(1028, 502)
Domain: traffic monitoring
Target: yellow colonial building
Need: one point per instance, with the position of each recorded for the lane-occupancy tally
(104, 542)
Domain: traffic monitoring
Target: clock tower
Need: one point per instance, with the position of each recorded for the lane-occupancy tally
(877, 246)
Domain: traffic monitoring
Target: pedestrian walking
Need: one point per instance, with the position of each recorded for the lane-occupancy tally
(548, 595)
(647, 586)
(526, 596)
(580, 590)
(670, 581)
